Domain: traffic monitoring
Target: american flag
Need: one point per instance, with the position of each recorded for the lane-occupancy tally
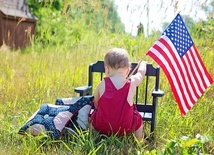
(179, 59)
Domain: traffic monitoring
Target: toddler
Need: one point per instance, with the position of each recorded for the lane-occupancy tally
(115, 112)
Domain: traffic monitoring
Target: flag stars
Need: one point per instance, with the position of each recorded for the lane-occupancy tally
(179, 36)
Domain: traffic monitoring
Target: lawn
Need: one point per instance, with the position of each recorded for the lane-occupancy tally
(39, 75)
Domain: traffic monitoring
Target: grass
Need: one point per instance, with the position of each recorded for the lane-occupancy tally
(39, 75)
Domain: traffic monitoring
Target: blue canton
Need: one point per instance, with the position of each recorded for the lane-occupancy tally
(179, 36)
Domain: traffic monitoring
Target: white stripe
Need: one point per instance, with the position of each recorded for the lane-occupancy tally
(196, 72)
(191, 75)
(172, 76)
(201, 68)
(180, 77)
(183, 69)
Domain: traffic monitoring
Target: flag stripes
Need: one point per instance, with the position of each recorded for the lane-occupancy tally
(187, 75)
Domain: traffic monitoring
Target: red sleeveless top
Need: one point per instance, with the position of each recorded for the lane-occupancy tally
(113, 114)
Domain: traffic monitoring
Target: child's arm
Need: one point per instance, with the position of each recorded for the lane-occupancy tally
(98, 92)
(136, 81)
(96, 96)
(138, 77)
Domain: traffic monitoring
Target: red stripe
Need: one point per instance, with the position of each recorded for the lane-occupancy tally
(181, 88)
(188, 71)
(198, 70)
(165, 70)
(169, 76)
(202, 64)
(172, 68)
(190, 68)
(194, 74)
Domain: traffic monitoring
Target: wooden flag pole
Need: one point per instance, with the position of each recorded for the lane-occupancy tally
(135, 69)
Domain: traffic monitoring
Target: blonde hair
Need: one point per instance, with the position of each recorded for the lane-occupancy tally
(117, 58)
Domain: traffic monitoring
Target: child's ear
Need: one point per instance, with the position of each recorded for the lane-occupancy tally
(127, 72)
(106, 70)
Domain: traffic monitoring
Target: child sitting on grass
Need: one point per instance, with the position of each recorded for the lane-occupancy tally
(115, 112)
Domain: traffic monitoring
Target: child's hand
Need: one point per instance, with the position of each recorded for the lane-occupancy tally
(142, 66)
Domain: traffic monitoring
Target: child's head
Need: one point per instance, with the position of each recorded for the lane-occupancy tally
(117, 58)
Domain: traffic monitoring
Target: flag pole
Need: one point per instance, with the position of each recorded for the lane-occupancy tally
(135, 69)
(142, 60)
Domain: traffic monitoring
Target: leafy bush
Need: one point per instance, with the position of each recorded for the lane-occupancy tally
(186, 145)
(204, 31)
(68, 22)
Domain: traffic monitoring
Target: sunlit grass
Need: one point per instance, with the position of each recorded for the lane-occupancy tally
(43, 72)
(30, 79)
